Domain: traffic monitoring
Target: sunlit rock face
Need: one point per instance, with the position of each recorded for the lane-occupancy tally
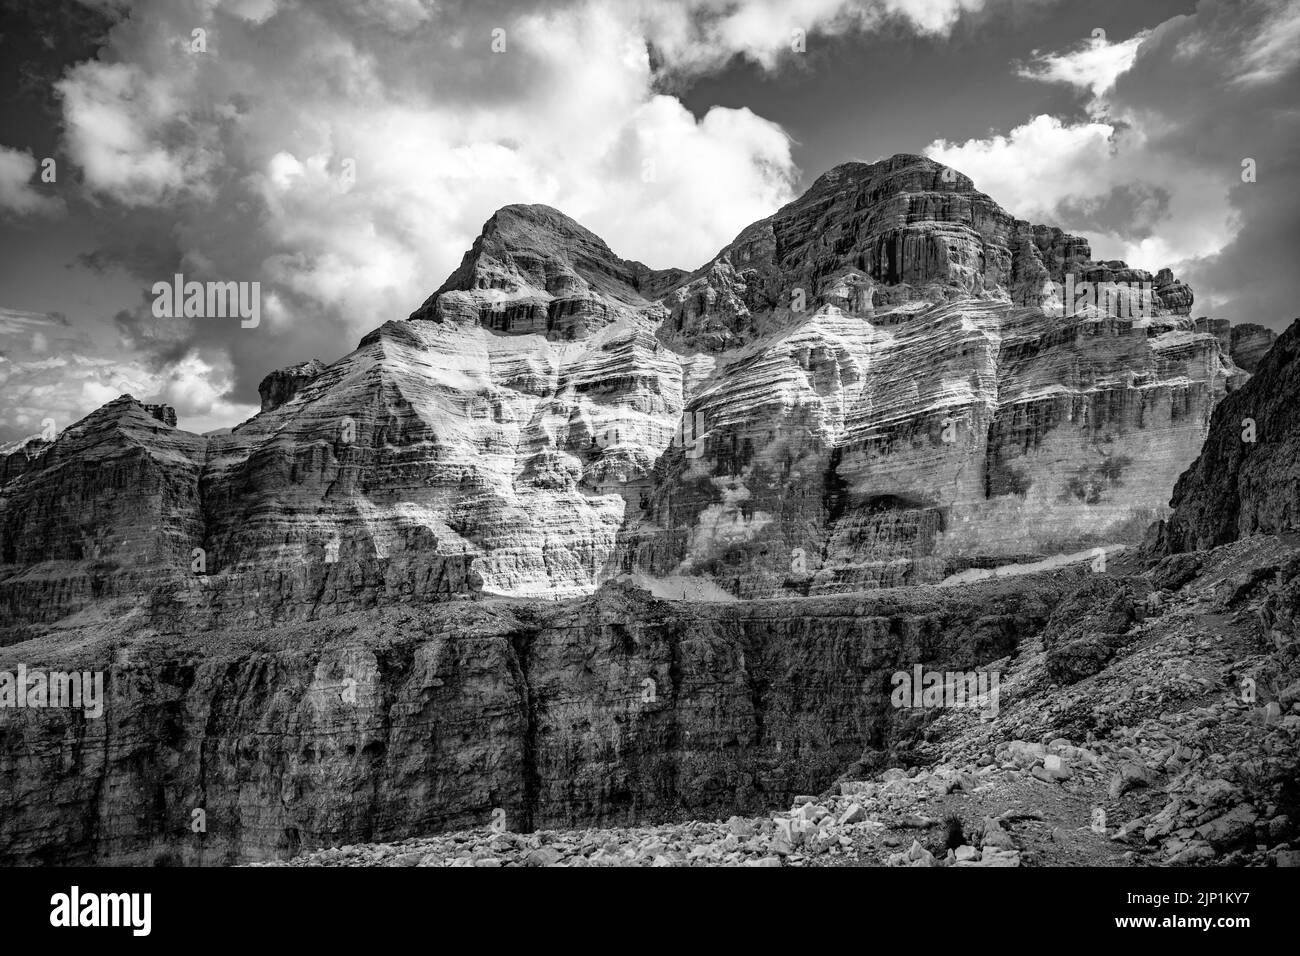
(879, 384)
(851, 453)
(890, 388)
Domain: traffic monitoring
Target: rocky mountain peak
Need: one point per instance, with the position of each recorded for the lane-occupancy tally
(127, 409)
(902, 172)
(905, 229)
(535, 251)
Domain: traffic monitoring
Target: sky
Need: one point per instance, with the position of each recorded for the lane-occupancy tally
(345, 153)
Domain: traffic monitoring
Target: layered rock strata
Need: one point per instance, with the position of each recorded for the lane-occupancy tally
(889, 380)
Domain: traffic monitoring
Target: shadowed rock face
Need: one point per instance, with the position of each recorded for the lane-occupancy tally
(283, 384)
(119, 486)
(1249, 344)
(1247, 478)
(871, 387)
(401, 721)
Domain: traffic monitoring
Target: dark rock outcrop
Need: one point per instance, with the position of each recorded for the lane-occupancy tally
(1247, 478)
(121, 485)
(1174, 294)
(1089, 627)
(284, 383)
(164, 413)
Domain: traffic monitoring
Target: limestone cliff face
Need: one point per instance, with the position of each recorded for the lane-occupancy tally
(1247, 478)
(401, 721)
(876, 385)
(1246, 343)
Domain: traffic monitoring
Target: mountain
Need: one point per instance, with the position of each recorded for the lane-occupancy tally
(333, 625)
(876, 385)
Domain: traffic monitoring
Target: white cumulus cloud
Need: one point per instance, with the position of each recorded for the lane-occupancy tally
(18, 195)
(345, 153)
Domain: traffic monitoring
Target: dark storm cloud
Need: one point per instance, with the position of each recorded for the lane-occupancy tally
(1221, 86)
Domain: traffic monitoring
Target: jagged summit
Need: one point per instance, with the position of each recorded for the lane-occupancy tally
(900, 172)
(906, 229)
(124, 409)
(537, 250)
